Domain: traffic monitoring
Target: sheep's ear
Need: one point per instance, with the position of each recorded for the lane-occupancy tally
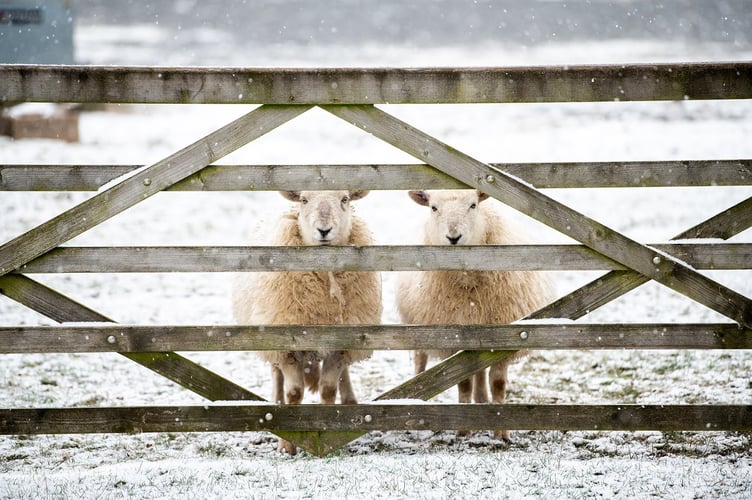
(356, 194)
(482, 196)
(419, 197)
(291, 195)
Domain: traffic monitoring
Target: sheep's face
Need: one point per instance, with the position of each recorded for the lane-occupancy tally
(455, 217)
(324, 217)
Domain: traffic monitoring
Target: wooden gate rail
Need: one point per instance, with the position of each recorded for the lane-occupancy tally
(18, 177)
(166, 259)
(350, 94)
(373, 416)
(142, 338)
(316, 86)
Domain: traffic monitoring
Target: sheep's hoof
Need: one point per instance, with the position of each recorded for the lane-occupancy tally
(503, 436)
(285, 446)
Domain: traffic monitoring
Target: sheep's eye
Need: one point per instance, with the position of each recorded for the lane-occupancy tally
(345, 199)
(434, 208)
(303, 201)
(473, 206)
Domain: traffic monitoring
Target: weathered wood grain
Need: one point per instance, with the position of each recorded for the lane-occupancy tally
(388, 176)
(530, 201)
(633, 82)
(614, 284)
(143, 184)
(170, 365)
(723, 225)
(131, 339)
(373, 416)
(371, 258)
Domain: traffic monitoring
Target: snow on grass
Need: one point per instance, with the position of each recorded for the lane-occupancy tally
(582, 464)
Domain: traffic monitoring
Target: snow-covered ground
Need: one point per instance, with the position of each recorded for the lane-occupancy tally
(583, 464)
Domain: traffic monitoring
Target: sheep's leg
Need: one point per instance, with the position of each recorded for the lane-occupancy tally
(465, 391)
(312, 374)
(499, 379)
(480, 387)
(292, 374)
(331, 371)
(278, 385)
(346, 393)
(420, 360)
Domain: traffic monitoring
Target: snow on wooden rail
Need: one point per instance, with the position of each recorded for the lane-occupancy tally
(350, 94)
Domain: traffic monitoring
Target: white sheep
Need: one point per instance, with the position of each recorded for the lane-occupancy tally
(312, 297)
(469, 297)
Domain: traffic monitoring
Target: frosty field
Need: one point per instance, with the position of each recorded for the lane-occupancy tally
(550, 464)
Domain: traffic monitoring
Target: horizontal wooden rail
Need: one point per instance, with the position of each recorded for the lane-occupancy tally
(634, 82)
(122, 338)
(20, 177)
(718, 256)
(369, 417)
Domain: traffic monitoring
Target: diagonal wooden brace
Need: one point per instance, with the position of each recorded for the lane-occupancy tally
(528, 200)
(173, 366)
(614, 284)
(170, 365)
(143, 184)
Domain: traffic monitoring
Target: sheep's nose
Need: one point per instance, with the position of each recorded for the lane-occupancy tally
(454, 240)
(324, 232)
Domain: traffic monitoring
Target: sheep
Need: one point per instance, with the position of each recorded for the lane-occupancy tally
(312, 297)
(457, 217)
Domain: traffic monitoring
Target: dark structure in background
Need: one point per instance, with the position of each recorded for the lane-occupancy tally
(37, 32)
(34, 32)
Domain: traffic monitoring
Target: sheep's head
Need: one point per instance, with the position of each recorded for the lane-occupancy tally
(324, 217)
(455, 217)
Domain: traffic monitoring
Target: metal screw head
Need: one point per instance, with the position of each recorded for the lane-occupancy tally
(490, 179)
(523, 335)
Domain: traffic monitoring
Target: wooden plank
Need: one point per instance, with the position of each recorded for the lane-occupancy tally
(525, 198)
(170, 365)
(371, 417)
(617, 283)
(18, 177)
(388, 176)
(371, 258)
(47, 301)
(127, 339)
(633, 82)
(143, 184)
(724, 225)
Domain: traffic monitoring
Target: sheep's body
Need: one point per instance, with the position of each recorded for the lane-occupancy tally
(469, 297)
(316, 298)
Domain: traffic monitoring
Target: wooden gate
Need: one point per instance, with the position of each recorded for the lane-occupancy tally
(351, 94)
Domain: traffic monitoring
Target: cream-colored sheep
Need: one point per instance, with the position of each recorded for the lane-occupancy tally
(312, 297)
(457, 217)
